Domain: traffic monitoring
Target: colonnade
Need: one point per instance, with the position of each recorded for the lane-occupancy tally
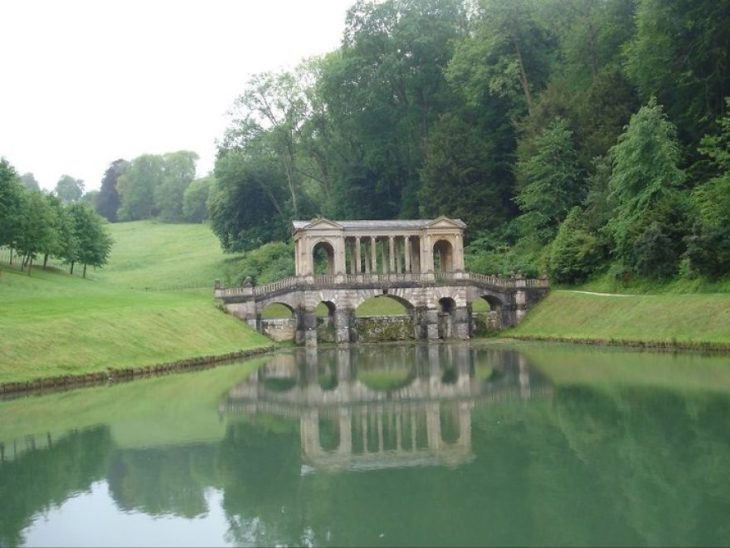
(383, 254)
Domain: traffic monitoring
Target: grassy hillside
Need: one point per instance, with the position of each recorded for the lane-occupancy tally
(687, 319)
(55, 324)
(151, 255)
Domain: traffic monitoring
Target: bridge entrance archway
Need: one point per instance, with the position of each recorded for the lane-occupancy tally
(323, 258)
(443, 256)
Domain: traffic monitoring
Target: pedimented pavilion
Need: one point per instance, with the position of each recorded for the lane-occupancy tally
(384, 247)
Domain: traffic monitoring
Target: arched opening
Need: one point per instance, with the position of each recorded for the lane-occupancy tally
(325, 313)
(443, 256)
(447, 307)
(486, 315)
(278, 322)
(274, 311)
(323, 258)
(383, 305)
(384, 318)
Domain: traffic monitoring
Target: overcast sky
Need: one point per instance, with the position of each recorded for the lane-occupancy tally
(85, 82)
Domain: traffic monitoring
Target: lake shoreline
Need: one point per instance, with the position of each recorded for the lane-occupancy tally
(637, 344)
(120, 374)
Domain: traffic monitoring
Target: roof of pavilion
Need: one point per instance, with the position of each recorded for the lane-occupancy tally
(407, 224)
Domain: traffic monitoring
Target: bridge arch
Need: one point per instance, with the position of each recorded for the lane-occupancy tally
(277, 309)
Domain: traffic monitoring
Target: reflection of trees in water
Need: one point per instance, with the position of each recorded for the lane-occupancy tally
(40, 478)
(167, 480)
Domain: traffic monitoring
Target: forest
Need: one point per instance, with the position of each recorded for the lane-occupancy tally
(576, 138)
(573, 137)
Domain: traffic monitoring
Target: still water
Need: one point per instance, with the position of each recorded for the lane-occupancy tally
(451, 444)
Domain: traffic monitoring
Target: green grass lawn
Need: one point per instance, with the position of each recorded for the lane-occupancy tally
(685, 318)
(52, 323)
(151, 255)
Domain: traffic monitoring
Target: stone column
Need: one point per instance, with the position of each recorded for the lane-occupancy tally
(391, 252)
(398, 260)
(383, 256)
(342, 325)
(460, 321)
(407, 253)
(373, 255)
(358, 264)
(432, 324)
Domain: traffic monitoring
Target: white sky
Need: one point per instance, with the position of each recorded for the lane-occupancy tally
(85, 82)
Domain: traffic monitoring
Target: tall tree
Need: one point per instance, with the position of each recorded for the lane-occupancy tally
(552, 180)
(69, 190)
(649, 220)
(11, 199)
(92, 239)
(37, 227)
(136, 187)
(179, 172)
(195, 200)
(30, 182)
(681, 55)
(107, 202)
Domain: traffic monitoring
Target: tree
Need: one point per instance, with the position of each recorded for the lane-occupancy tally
(11, 199)
(36, 229)
(107, 202)
(136, 187)
(69, 190)
(178, 173)
(680, 54)
(195, 200)
(575, 251)
(552, 182)
(460, 178)
(30, 182)
(245, 205)
(93, 242)
(508, 55)
(644, 184)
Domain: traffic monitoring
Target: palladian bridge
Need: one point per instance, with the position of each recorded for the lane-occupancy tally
(419, 263)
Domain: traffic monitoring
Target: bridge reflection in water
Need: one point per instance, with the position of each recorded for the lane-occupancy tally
(359, 411)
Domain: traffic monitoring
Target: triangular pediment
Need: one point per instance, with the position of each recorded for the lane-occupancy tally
(320, 224)
(445, 222)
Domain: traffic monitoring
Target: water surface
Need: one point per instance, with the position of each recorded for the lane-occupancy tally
(451, 444)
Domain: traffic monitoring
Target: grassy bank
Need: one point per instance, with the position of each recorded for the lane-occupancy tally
(683, 320)
(53, 324)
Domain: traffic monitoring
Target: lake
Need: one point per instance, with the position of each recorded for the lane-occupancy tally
(445, 444)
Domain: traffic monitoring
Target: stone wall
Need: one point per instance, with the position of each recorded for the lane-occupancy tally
(279, 329)
(384, 328)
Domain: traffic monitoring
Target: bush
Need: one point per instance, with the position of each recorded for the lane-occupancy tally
(575, 252)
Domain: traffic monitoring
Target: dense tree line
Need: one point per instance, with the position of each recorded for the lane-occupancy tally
(34, 224)
(154, 186)
(573, 136)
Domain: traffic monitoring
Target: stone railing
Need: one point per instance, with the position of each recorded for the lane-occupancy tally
(378, 280)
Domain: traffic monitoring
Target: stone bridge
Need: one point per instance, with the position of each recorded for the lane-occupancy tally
(419, 263)
(438, 305)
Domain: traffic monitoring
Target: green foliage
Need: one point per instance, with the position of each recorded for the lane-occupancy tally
(178, 173)
(246, 204)
(552, 182)
(69, 190)
(108, 201)
(459, 177)
(708, 250)
(11, 193)
(679, 54)
(575, 251)
(268, 263)
(644, 185)
(136, 188)
(195, 200)
(93, 242)
(30, 182)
